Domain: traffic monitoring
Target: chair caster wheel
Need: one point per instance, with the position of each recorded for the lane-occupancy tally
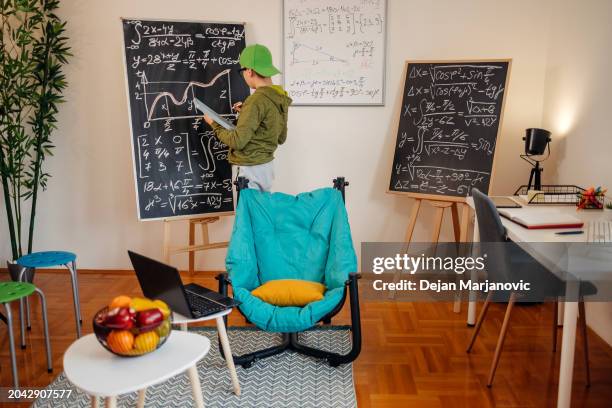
(29, 328)
(23, 347)
(49, 370)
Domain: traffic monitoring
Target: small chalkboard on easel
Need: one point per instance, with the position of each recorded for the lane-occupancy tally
(448, 127)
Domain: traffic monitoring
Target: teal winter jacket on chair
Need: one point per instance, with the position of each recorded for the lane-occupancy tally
(280, 236)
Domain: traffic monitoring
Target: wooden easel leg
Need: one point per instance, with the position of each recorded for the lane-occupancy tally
(192, 247)
(166, 250)
(435, 237)
(465, 223)
(191, 242)
(440, 206)
(414, 213)
(205, 236)
(472, 295)
(413, 219)
(456, 222)
(462, 235)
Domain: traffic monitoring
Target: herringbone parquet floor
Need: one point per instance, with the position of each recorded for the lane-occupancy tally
(413, 353)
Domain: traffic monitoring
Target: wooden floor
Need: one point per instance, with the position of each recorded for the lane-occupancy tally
(413, 353)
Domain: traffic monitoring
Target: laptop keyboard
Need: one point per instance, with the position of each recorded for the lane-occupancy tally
(201, 306)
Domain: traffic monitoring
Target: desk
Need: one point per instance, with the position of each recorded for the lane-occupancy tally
(520, 234)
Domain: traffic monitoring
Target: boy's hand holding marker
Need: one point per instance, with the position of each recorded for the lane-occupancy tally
(235, 107)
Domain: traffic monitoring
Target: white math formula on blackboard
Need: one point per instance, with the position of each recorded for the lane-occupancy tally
(180, 167)
(334, 51)
(448, 128)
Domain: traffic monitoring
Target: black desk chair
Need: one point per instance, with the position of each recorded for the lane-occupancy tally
(492, 230)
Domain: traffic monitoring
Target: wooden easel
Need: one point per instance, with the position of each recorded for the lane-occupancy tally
(440, 202)
(192, 247)
(410, 141)
(460, 226)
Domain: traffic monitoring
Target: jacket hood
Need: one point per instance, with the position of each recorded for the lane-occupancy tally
(277, 95)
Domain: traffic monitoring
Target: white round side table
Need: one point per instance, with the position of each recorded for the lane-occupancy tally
(100, 373)
(184, 321)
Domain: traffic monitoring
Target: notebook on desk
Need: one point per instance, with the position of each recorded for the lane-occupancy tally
(541, 220)
(504, 202)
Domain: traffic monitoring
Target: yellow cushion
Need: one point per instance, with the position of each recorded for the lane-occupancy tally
(289, 292)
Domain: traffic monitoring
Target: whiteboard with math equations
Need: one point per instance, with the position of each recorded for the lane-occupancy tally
(334, 51)
(449, 121)
(180, 167)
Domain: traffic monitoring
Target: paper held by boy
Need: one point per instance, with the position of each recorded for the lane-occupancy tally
(202, 107)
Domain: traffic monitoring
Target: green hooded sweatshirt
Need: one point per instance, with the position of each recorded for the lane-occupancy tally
(261, 127)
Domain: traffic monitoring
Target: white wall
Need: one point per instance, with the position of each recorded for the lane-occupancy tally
(90, 207)
(577, 107)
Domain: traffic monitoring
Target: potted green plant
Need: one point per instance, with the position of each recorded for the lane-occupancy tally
(33, 51)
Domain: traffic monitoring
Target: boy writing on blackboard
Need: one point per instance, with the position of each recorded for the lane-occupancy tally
(262, 123)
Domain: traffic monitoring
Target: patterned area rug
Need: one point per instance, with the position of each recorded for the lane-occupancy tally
(285, 380)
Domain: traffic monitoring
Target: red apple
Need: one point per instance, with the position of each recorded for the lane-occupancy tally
(149, 319)
(121, 319)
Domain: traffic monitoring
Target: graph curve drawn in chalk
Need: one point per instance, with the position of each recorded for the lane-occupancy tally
(184, 98)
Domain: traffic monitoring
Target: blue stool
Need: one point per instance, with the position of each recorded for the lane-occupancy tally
(48, 259)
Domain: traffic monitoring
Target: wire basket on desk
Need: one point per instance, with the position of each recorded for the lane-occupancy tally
(557, 194)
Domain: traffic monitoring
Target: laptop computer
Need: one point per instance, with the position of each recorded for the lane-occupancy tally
(160, 281)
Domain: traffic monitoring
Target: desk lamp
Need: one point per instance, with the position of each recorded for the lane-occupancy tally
(536, 142)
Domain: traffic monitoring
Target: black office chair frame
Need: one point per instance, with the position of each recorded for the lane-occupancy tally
(491, 229)
(290, 341)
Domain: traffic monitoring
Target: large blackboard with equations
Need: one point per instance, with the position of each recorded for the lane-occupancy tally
(180, 167)
(449, 121)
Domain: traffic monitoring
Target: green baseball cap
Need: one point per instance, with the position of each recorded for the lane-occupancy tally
(258, 58)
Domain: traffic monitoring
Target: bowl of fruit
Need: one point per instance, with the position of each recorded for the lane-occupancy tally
(133, 326)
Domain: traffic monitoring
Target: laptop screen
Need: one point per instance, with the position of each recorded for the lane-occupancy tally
(160, 281)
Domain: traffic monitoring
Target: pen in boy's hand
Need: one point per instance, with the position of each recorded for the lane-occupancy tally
(237, 106)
